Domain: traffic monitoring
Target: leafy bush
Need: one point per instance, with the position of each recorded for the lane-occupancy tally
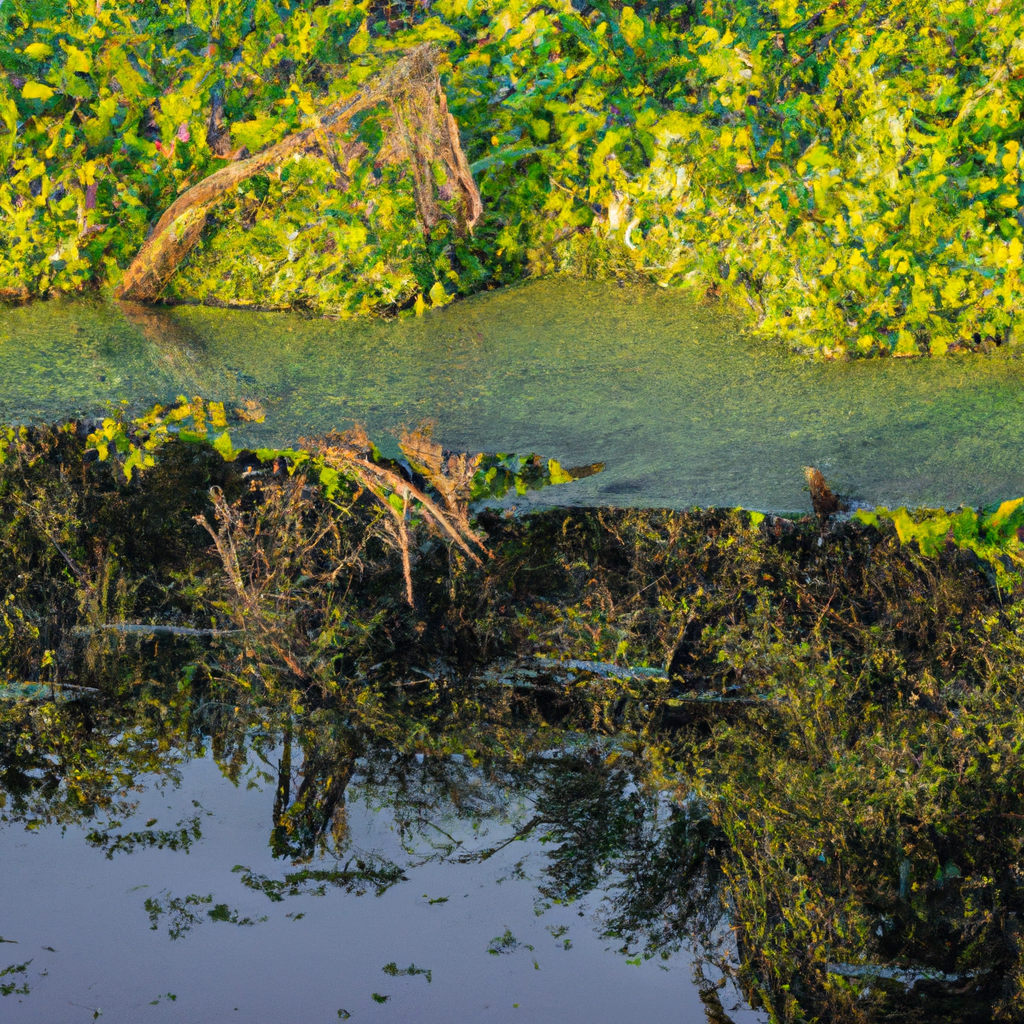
(992, 534)
(849, 173)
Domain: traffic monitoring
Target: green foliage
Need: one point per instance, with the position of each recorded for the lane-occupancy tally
(12, 988)
(136, 442)
(356, 877)
(392, 970)
(993, 534)
(182, 915)
(132, 445)
(182, 837)
(506, 943)
(851, 176)
(496, 475)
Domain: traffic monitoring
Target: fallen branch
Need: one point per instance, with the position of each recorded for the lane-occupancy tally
(148, 630)
(424, 132)
(40, 691)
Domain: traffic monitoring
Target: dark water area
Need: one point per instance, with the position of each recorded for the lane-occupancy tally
(681, 407)
(272, 872)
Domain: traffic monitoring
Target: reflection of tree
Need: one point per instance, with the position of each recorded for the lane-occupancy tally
(181, 350)
(612, 825)
(667, 869)
(441, 803)
(186, 912)
(313, 822)
(608, 827)
(357, 875)
(181, 837)
(67, 762)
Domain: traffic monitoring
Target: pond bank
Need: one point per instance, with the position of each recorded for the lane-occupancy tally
(721, 149)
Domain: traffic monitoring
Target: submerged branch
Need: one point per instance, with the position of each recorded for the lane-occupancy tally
(153, 630)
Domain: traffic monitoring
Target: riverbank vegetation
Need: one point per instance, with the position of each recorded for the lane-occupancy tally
(849, 172)
(832, 708)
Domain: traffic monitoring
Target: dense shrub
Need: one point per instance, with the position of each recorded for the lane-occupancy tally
(849, 171)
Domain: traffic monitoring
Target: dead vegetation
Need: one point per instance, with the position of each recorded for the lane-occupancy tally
(349, 454)
(823, 501)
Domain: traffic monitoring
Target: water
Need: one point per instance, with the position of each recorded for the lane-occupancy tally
(191, 854)
(679, 404)
(108, 923)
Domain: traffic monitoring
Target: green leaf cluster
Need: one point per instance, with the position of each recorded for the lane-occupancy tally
(993, 534)
(497, 475)
(133, 444)
(137, 441)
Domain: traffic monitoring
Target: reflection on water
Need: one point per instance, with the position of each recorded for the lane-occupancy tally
(681, 408)
(425, 856)
(178, 859)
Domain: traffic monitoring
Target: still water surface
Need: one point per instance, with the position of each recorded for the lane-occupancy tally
(351, 861)
(103, 922)
(681, 407)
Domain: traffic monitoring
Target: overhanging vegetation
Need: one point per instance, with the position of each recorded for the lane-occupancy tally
(849, 172)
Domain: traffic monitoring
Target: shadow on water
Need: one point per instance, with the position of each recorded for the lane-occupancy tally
(179, 350)
(679, 405)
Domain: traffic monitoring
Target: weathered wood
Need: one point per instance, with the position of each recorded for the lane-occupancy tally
(424, 132)
(153, 630)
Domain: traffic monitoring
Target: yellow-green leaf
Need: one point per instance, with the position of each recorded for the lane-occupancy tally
(360, 42)
(225, 447)
(36, 91)
(78, 60)
(557, 474)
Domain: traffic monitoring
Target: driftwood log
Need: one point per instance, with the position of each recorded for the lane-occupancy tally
(422, 131)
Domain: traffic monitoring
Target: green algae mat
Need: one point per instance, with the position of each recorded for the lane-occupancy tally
(678, 403)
